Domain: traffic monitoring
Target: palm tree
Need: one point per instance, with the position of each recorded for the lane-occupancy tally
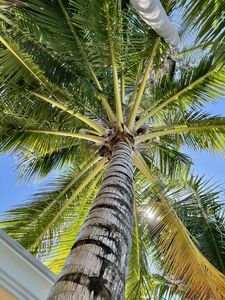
(88, 87)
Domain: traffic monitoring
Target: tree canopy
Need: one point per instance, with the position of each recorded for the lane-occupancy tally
(75, 75)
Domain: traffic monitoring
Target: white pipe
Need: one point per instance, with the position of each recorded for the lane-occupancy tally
(153, 13)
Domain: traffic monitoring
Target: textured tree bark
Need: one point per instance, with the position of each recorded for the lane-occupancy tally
(97, 264)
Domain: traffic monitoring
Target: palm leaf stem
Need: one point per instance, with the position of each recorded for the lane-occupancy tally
(137, 237)
(79, 44)
(41, 79)
(4, 18)
(137, 82)
(139, 162)
(67, 187)
(67, 240)
(89, 131)
(172, 98)
(99, 118)
(180, 129)
(100, 166)
(119, 111)
(99, 128)
(7, 45)
(31, 39)
(190, 50)
(92, 138)
(80, 174)
(86, 204)
(140, 92)
(120, 33)
(107, 107)
(169, 126)
(122, 86)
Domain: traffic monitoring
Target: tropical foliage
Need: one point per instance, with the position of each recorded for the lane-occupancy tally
(77, 74)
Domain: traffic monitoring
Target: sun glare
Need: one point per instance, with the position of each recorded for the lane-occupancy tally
(150, 214)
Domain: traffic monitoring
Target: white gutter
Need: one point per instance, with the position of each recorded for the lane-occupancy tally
(153, 13)
(21, 273)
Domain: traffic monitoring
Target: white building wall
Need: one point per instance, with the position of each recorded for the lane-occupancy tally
(22, 274)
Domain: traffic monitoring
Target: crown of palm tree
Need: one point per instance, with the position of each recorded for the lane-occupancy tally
(76, 76)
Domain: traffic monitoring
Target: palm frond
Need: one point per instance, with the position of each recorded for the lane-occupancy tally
(55, 68)
(87, 137)
(166, 289)
(37, 44)
(207, 17)
(81, 117)
(139, 281)
(119, 112)
(33, 223)
(141, 89)
(67, 236)
(35, 166)
(181, 257)
(199, 131)
(12, 58)
(86, 59)
(201, 84)
(168, 160)
(201, 211)
(71, 74)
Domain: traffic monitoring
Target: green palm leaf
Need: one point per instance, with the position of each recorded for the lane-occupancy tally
(139, 282)
(78, 78)
(210, 22)
(179, 251)
(45, 212)
(70, 231)
(198, 131)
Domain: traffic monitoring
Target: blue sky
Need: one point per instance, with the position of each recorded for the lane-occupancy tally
(211, 165)
(13, 192)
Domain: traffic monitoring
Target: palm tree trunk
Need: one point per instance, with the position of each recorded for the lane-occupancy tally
(96, 266)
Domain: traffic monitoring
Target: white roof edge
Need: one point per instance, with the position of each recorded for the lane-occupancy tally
(27, 256)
